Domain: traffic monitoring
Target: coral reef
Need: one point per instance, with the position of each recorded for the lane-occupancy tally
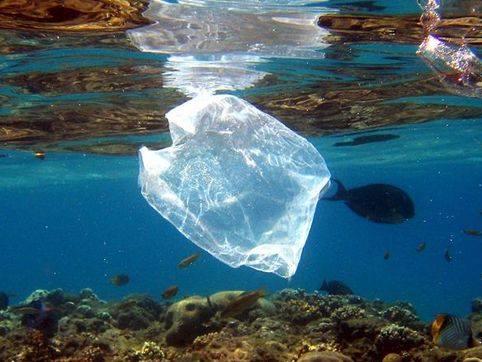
(291, 325)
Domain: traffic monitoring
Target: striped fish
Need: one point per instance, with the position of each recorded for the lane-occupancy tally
(452, 332)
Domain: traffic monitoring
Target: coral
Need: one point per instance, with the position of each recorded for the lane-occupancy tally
(394, 338)
(185, 320)
(135, 312)
(392, 357)
(326, 356)
(348, 312)
(150, 351)
(293, 325)
(477, 305)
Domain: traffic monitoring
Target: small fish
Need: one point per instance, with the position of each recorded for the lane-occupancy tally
(242, 302)
(361, 140)
(3, 155)
(188, 261)
(421, 247)
(335, 287)
(25, 310)
(380, 203)
(386, 256)
(473, 232)
(448, 257)
(170, 292)
(119, 280)
(4, 300)
(40, 155)
(452, 332)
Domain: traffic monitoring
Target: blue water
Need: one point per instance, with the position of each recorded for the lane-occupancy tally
(74, 219)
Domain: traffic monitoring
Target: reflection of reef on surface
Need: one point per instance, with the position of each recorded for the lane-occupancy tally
(400, 29)
(328, 108)
(287, 326)
(89, 79)
(58, 123)
(333, 107)
(72, 15)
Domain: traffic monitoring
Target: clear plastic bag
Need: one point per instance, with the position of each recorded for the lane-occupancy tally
(236, 182)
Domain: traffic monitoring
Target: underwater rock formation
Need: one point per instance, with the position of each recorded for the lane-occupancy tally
(295, 325)
(72, 15)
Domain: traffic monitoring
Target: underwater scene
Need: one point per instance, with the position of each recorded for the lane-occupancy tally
(227, 180)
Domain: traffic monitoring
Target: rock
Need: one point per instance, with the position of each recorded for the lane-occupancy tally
(85, 311)
(326, 356)
(477, 305)
(392, 357)
(87, 293)
(36, 295)
(185, 320)
(135, 312)
(474, 353)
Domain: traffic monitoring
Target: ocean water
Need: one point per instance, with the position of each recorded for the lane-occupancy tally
(76, 218)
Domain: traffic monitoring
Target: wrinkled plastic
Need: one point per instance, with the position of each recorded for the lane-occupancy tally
(236, 182)
(456, 66)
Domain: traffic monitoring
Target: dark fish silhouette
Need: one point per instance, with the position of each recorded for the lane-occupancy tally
(453, 332)
(386, 256)
(448, 257)
(4, 300)
(379, 203)
(170, 292)
(119, 280)
(3, 155)
(361, 140)
(335, 287)
(473, 232)
(184, 263)
(421, 247)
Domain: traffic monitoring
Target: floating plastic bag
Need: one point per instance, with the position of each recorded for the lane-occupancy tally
(236, 182)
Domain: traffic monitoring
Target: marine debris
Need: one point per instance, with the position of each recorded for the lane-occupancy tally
(288, 325)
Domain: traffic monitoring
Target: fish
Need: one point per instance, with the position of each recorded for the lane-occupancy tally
(448, 257)
(39, 154)
(335, 287)
(473, 232)
(119, 280)
(4, 300)
(38, 315)
(170, 292)
(361, 140)
(184, 263)
(421, 247)
(3, 155)
(386, 256)
(452, 332)
(380, 203)
(242, 302)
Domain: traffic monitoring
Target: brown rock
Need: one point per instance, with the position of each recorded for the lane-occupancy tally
(392, 357)
(326, 356)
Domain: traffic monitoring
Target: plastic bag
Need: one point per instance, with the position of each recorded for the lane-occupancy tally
(236, 182)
